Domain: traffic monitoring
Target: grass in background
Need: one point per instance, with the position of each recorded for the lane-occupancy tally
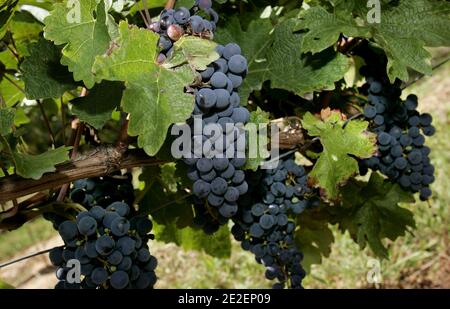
(28, 235)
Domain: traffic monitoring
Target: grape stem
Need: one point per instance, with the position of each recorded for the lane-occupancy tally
(170, 4)
(47, 123)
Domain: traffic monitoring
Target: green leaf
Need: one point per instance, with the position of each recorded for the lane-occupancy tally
(84, 39)
(313, 236)
(325, 28)
(97, 106)
(275, 54)
(7, 9)
(303, 73)
(6, 120)
(370, 212)
(217, 245)
(406, 26)
(43, 74)
(20, 118)
(8, 60)
(254, 42)
(165, 206)
(34, 166)
(192, 50)
(10, 93)
(154, 96)
(335, 165)
(25, 27)
(256, 118)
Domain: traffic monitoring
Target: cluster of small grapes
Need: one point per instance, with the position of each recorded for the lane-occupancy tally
(112, 250)
(173, 24)
(263, 226)
(217, 121)
(402, 155)
(100, 191)
(218, 177)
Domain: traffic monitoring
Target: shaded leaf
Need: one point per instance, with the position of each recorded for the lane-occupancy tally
(313, 236)
(97, 106)
(7, 9)
(43, 75)
(275, 53)
(6, 120)
(217, 245)
(370, 212)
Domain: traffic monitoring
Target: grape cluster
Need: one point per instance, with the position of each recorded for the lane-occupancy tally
(112, 250)
(173, 24)
(100, 191)
(217, 176)
(402, 155)
(263, 225)
(217, 121)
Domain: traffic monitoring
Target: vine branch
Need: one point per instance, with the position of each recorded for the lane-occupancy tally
(99, 162)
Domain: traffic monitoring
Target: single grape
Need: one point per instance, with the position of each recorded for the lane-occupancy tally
(219, 80)
(99, 276)
(87, 226)
(119, 280)
(120, 226)
(104, 245)
(68, 230)
(230, 50)
(182, 15)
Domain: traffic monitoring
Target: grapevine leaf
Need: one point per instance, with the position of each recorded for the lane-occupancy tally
(335, 165)
(325, 28)
(10, 93)
(8, 60)
(34, 166)
(305, 73)
(275, 54)
(256, 118)
(254, 43)
(192, 50)
(25, 27)
(43, 75)
(406, 26)
(370, 212)
(313, 236)
(217, 245)
(97, 106)
(154, 96)
(7, 9)
(6, 120)
(84, 29)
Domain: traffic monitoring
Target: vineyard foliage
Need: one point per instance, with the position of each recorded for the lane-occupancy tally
(95, 65)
